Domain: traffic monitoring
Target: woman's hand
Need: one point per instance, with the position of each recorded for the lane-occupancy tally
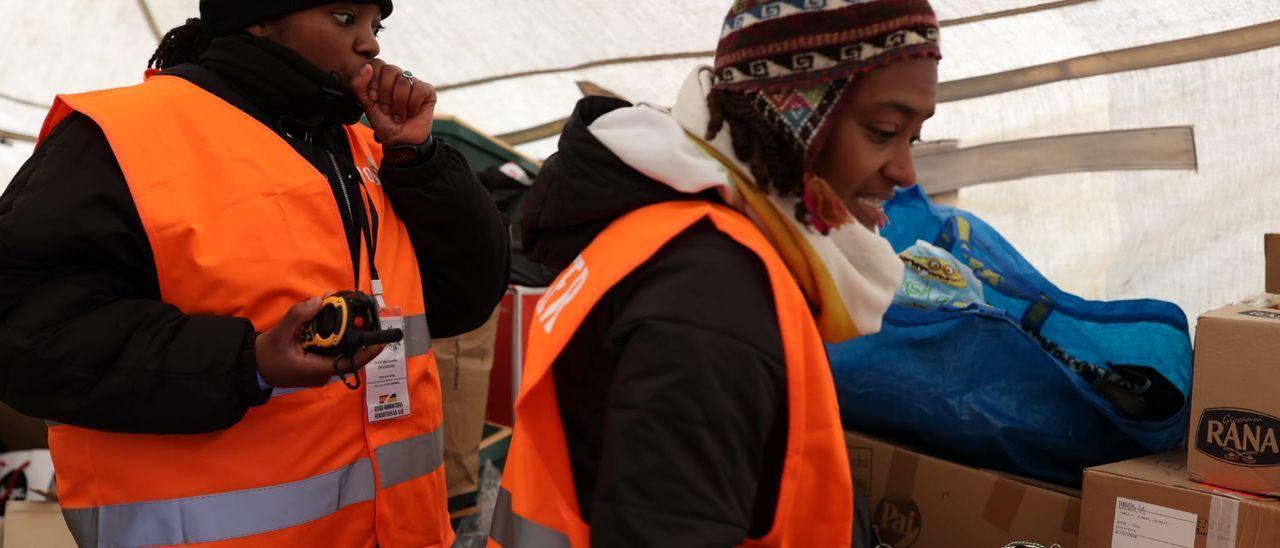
(400, 108)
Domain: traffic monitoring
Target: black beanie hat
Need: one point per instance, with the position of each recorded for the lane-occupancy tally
(242, 14)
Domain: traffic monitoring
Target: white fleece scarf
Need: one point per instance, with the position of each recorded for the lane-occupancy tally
(849, 276)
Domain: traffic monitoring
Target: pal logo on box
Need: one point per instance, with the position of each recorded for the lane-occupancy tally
(898, 521)
(1239, 436)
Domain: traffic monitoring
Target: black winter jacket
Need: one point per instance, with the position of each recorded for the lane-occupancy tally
(673, 391)
(84, 337)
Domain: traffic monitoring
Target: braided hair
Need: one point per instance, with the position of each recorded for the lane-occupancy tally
(777, 163)
(181, 45)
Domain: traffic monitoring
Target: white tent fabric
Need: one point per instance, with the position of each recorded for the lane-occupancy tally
(1193, 238)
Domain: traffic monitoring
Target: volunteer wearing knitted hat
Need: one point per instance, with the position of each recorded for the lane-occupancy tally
(165, 244)
(676, 388)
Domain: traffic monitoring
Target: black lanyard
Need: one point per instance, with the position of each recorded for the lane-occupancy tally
(369, 228)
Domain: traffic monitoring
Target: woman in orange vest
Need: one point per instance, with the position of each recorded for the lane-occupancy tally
(676, 388)
(166, 241)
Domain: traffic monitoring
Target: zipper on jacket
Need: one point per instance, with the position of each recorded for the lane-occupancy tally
(346, 198)
(337, 172)
(342, 185)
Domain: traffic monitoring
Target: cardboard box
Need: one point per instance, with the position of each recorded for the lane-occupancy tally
(465, 363)
(35, 524)
(1234, 438)
(1271, 245)
(925, 502)
(1150, 503)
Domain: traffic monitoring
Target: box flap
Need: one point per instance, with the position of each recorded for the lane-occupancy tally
(1170, 470)
(909, 453)
(1242, 313)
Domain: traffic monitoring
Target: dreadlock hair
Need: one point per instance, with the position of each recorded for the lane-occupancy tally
(777, 163)
(181, 45)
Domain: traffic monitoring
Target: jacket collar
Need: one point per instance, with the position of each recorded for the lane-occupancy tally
(286, 90)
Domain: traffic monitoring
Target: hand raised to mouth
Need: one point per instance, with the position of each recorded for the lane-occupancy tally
(400, 108)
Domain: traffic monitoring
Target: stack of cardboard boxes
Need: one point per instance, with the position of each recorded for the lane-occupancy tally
(1220, 492)
(1216, 494)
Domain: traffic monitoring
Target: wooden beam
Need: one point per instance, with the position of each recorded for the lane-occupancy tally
(1200, 48)
(589, 89)
(929, 148)
(505, 145)
(551, 129)
(1172, 148)
(537, 133)
(1012, 12)
(21, 101)
(6, 134)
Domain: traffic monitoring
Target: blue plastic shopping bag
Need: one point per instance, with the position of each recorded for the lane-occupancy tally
(1034, 381)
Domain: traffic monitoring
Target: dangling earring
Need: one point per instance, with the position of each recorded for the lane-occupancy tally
(826, 211)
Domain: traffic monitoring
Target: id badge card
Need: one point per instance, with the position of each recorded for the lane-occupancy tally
(387, 376)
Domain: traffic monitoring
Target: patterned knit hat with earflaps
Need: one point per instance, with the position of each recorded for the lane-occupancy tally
(795, 58)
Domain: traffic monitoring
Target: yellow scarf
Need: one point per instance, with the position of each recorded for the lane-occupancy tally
(811, 274)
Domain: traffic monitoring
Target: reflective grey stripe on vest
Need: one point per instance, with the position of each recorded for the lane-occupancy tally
(243, 513)
(512, 530)
(225, 515)
(417, 336)
(410, 459)
(417, 342)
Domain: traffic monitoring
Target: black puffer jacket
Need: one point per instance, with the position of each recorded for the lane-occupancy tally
(673, 391)
(84, 337)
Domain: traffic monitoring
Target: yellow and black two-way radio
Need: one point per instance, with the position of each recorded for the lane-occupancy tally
(347, 322)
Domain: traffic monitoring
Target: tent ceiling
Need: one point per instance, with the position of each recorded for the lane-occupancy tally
(1103, 234)
(458, 41)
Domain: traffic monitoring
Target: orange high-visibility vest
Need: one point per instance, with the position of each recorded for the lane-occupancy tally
(538, 504)
(241, 225)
